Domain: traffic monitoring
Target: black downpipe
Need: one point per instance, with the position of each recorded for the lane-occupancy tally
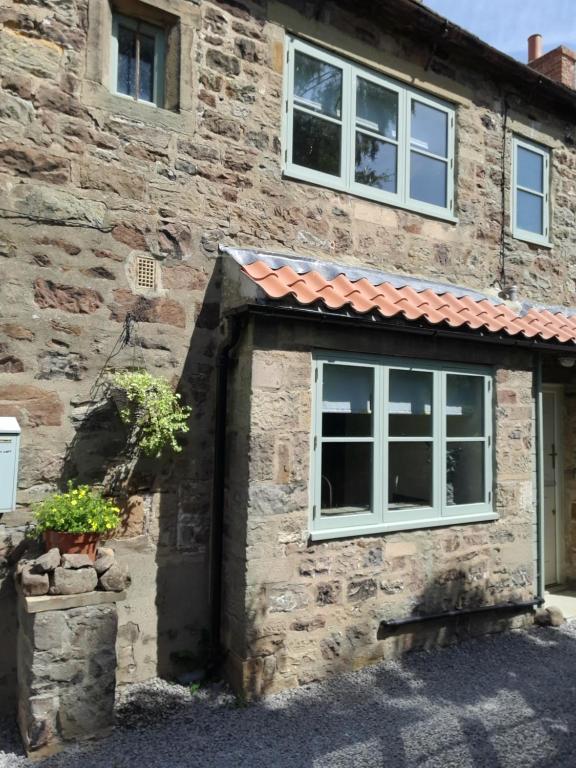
(237, 324)
(510, 606)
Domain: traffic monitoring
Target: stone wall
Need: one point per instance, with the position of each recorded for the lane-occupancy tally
(313, 609)
(66, 669)
(89, 182)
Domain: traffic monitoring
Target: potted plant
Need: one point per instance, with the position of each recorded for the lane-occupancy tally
(151, 408)
(74, 521)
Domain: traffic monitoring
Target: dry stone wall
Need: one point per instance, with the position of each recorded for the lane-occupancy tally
(87, 185)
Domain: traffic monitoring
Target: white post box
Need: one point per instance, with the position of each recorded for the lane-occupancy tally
(9, 451)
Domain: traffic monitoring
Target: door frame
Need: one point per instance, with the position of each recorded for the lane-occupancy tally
(558, 391)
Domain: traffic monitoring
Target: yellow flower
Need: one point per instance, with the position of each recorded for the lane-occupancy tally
(82, 493)
(73, 502)
(75, 492)
(108, 525)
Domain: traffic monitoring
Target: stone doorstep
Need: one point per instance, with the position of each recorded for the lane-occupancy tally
(64, 602)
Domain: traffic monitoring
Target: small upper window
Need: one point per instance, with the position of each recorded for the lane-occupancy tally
(137, 67)
(530, 192)
(351, 129)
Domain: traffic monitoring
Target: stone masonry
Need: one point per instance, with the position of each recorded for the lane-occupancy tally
(66, 669)
(296, 611)
(89, 182)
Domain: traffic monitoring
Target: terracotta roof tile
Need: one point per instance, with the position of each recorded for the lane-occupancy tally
(456, 307)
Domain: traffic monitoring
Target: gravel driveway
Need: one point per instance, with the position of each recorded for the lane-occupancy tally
(505, 701)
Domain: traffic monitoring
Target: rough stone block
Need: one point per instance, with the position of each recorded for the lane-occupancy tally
(105, 559)
(76, 561)
(46, 562)
(34, 584)
(115, 579)
(72, 582)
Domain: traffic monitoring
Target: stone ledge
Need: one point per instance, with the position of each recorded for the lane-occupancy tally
(64, 602)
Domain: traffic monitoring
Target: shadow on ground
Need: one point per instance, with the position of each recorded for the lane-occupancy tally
(501, 701)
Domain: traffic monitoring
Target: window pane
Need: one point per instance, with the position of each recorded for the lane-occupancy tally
(530, 169)
(465, 473)
(346, 478)
(464, 406)
(530, 213)
(409, 475)
(376, 108)
(126, 62)
(428, 179)
(316, 143)
(375, 163)
(429, 129)
(317, 85)
(410, 404)
(146, 68)
(347, 399)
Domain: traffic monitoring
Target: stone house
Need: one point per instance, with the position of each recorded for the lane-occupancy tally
(346, 234)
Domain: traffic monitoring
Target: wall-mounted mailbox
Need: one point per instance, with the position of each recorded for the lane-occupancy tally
(9, 451)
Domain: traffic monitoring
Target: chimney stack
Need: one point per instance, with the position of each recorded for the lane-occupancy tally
(534, 47)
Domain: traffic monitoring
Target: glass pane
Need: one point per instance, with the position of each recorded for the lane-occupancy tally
(530, 169)
(530, 213)
(465, 473)
(428, 179)
(429, 129)
(347, 397)
(375, 163)
(316, 143)
(126, 62)
(346, 478)
(464, 406)
(410, 404)
(146, 68)
(376, 108)
(409, 475)
(317, 85)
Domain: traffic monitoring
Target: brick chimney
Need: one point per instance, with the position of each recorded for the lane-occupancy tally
(559, 64)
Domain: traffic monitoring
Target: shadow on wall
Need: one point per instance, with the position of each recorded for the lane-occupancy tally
(175, 490)
(495, 702)
(369, 640)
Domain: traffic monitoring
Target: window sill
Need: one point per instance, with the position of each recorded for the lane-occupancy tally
(98, 96)
(342, 533)
(525, 237)
(427, 210)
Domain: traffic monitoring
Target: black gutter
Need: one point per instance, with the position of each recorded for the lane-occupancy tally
(383, 324)
(237, 324)
(507, 606)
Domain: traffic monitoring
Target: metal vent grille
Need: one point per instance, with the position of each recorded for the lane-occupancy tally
(145, 272)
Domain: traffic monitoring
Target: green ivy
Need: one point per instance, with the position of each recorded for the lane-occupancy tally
(154, 411)
(79, 510)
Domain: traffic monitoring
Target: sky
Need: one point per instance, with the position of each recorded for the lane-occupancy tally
(507, 24)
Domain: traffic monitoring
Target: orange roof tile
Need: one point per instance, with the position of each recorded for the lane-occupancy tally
(310, 283)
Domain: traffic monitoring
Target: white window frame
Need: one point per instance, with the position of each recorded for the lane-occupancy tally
(159, 57)
(381, 519)
(544, 152)
(346, 182)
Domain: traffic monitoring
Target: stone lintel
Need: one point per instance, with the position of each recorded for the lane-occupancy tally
(65, 602)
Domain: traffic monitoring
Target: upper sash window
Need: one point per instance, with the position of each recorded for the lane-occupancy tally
(531, 191)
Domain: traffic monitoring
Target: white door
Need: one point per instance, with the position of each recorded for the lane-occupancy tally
(552, 501)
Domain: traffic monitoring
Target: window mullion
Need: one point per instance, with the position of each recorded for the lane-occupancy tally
(317, 442)
(405, 141)
(440, 444)
(383, 390)
(348, 123)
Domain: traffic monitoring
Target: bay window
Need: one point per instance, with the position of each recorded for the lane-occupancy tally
(399, 445)
(351, 129)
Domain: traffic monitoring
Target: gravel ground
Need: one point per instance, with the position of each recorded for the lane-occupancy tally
(507, 701)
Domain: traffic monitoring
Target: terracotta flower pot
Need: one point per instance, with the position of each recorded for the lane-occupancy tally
(73, 543)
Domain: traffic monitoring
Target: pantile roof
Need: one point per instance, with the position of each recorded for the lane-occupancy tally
(337, 287)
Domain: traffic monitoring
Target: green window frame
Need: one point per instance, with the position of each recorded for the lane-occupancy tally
(530, 191)
(399, 444)
(390, 143)
(141, 31)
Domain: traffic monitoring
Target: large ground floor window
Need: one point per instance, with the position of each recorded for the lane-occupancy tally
(399, 444)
